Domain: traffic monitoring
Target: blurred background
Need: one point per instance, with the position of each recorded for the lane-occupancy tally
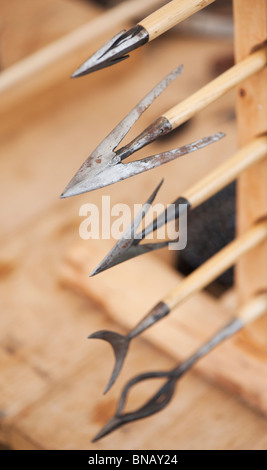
(52, 377)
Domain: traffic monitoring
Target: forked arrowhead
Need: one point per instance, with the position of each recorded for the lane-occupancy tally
(120, 345)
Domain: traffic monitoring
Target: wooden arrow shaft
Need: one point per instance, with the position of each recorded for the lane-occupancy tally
(171, 14)
(216, 88)
(216, 265)
(254, 308)
(227, 172)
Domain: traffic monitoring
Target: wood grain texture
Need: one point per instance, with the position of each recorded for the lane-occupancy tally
(251, 31)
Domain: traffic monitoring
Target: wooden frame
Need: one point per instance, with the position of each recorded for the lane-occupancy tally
(250, 32)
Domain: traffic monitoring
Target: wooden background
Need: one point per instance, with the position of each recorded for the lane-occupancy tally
(51, 376)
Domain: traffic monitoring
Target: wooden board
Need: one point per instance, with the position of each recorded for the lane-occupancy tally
(250, 31)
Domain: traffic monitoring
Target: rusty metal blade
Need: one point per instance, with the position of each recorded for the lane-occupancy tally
(124, 246)
(163, 396)
(155, 404)
(104, 156)
(114, 173)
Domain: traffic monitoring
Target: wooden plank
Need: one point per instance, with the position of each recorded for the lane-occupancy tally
(199, 417)
(29, 353)
(251, 273)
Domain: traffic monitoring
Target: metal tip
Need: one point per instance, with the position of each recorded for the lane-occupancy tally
(94, 272)
(73, 190)
(68, 192)
(96, 61)
(77, 73)
(86, 68)
(114, 51)
(124, 250)
(110, 426)
(99, 269)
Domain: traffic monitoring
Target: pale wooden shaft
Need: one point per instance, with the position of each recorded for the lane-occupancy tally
(227, 172)
(216, 88)
(254, 308)
(171, 14)
(250, 20)
(216, 265)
